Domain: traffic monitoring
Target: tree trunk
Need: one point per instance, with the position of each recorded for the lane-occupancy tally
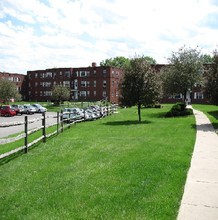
(184, 95)
(139, 111)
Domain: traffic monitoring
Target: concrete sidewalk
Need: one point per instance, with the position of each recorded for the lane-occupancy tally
(200, 198)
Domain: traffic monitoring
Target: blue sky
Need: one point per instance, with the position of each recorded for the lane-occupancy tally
(40, 34)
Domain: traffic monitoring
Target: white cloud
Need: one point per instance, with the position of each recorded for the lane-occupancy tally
(37, 34)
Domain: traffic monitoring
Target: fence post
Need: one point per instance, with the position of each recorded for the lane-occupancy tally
(26, 134)
(107, 110)
(69, 120)
(43, 127)
(58, 122)
(62, 123)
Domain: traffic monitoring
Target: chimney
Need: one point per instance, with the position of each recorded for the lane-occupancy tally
(93, 64)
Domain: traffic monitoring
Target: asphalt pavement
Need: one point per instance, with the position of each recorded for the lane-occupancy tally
(6, 131)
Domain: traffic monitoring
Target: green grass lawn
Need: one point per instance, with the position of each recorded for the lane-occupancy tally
(113, 168)
(211, 111)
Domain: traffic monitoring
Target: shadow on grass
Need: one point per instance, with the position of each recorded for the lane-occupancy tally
(156, 114)
(128, 122)
(214, 114)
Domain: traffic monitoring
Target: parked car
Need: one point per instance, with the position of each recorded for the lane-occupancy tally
(29, 109)
(39, 108)
(19, 109)
(71, 114)
(7, 110)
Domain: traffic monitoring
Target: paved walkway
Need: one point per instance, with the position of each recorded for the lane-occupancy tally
(200, 198)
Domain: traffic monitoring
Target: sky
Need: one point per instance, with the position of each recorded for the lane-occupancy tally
(41, 34)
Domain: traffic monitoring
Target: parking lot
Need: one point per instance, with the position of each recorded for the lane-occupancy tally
(6, 131)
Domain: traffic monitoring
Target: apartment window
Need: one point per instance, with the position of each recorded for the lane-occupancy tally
(94, 72)
(83, 93)
(104, 94)
(104, 83)
(83, 83)
(40, 93)
(47, 93)
(45, 84)
(112, 94)
(198, 95)
(84, 73)
(48, 75)
(36, 75)
(88, 93)
(36, 84)
(112, 83)
(94, 93)
(104, 72)
(75, 84)
(178, 96)
(67, 74)
(94, 83)
(66, 83)
(117, 93)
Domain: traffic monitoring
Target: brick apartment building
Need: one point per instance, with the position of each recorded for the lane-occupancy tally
(18, 79)
(195, 95)
(92, 83)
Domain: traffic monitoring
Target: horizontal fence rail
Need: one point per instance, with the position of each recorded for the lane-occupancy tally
(61, 124)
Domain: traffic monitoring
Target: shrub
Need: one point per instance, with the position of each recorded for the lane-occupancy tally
(182, 105)
(179, 109)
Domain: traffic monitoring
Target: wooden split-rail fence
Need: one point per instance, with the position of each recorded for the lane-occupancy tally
(60, 127)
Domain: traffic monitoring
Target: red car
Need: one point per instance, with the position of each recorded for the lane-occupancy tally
(7, 110)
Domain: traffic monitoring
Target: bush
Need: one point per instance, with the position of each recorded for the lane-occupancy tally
(179, 109)
(182, 105)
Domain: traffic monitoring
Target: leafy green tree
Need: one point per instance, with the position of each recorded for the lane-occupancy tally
(139, 85)
(207, 58)
(150, 60)
(123, 62)
(60, 93)
(211, 81)
(184, 70)
(120, 62)
(7, 90)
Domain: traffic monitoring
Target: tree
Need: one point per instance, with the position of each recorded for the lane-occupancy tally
(150, 60)
(60, 93)
(123, 62)
(120, 62)
(211, 81)
(184, 70)
(207, 58)
(7, 90)
(139, 85)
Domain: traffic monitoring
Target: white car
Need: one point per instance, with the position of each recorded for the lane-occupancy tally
(71, 114)
(29, 109)
(39, 108)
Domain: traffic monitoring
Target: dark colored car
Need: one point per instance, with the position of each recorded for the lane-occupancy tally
(7, 110)
(18, 108)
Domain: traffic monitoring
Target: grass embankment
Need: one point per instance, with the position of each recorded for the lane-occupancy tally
(112, 168)
(211, 111)
(4, 148)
